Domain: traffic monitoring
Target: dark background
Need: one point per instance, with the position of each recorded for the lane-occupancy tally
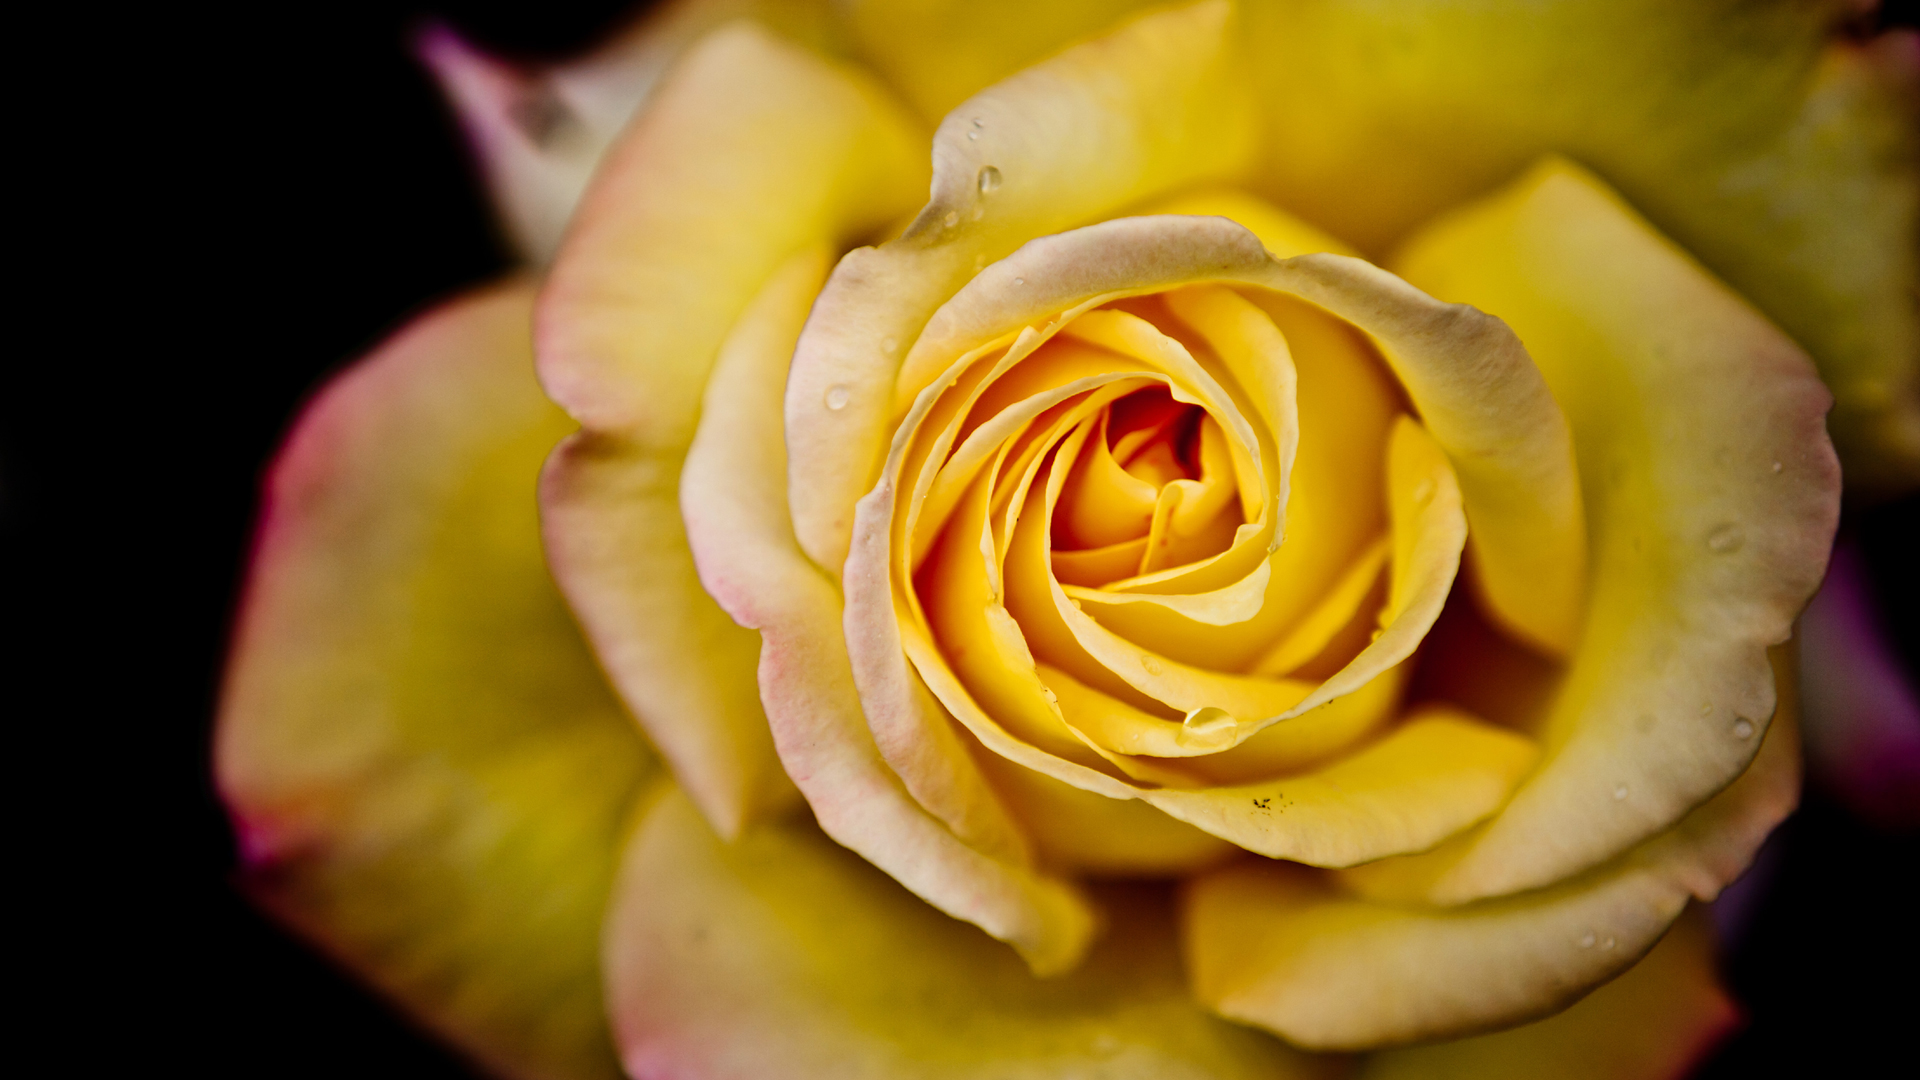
(271, 199)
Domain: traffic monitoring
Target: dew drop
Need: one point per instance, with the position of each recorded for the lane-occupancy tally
(979, 212)
(1423, 491)
(1609, 944)
(989, 180)
(1151, 665)
(1726, 539)
(1743, 728)
(1019, 281)
(837, 396)
(1706, 708)
(952, 219)
(1620, 793)
(1587, 939)
(889, 344)
(973, 134)
(1776, 466)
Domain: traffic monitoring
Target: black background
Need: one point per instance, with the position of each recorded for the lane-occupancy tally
(259, 201)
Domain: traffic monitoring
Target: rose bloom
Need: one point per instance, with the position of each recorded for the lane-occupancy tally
(1275, 567)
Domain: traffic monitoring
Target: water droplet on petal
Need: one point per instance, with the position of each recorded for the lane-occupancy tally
(952, 219)
(1776, 466)
(1151, 665)
(1743, 728)
(1620, 793)
(1608, 944)
(1019, 281)
(1423, 491)
(1706, 708)
(837, 396)
(889, 344)
(973, 134)
(1587, 939)
(989, 179)
(1726, 539)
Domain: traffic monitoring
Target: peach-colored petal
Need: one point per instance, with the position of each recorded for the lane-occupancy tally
(783, 955)
(1280, 947)
(751, 150)
(1157, 103)
(1711, 491)
(427, 773)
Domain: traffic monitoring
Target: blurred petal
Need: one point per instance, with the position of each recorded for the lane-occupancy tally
(1862, 718)
(1157, 104)
(783, 955)
(428, 774)
(1712, 495)
(751, 150)
(1279, 946)
(1787, 160)
(1653, 1023)
(539, 133)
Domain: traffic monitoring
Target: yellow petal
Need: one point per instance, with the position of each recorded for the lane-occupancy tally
(783, 955)
(1487, 405)
(946, 837)
(1283, 234)
(1158, 103)
(1712, 494)
(750, 151)
(1795, 176)
(1280, 947)
(427, 772)
(1657, 1020)
(1436, 774)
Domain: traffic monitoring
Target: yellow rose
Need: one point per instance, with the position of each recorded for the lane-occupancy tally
(1117, 562)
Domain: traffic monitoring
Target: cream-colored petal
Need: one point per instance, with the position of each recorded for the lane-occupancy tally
(783, 955)
(426, 770)
(1281, 947)
(1281, 233)
(751, 150)
(1711, 494)
(1158, 103)
(733, 493)
(1656, 1022)
(942, 834)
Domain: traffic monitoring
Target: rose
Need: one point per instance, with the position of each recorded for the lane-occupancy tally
(630, 451)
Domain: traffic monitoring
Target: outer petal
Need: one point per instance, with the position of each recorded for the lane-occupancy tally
(1272, 945)
(426, 770)
(1158, 104)
(1787, 161)
(1712, 495)
(784, 956)
(1652, 1023)
(752, 150)
(539, 134)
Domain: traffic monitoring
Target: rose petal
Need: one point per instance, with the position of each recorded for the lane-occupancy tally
(782, 955)
(538, 134)
(1277, 946)
(750, 151)
(1157, 104)
(1795, 176)
(1712, 496)
(429, 777)
(1653, 1023)
(946, 837)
